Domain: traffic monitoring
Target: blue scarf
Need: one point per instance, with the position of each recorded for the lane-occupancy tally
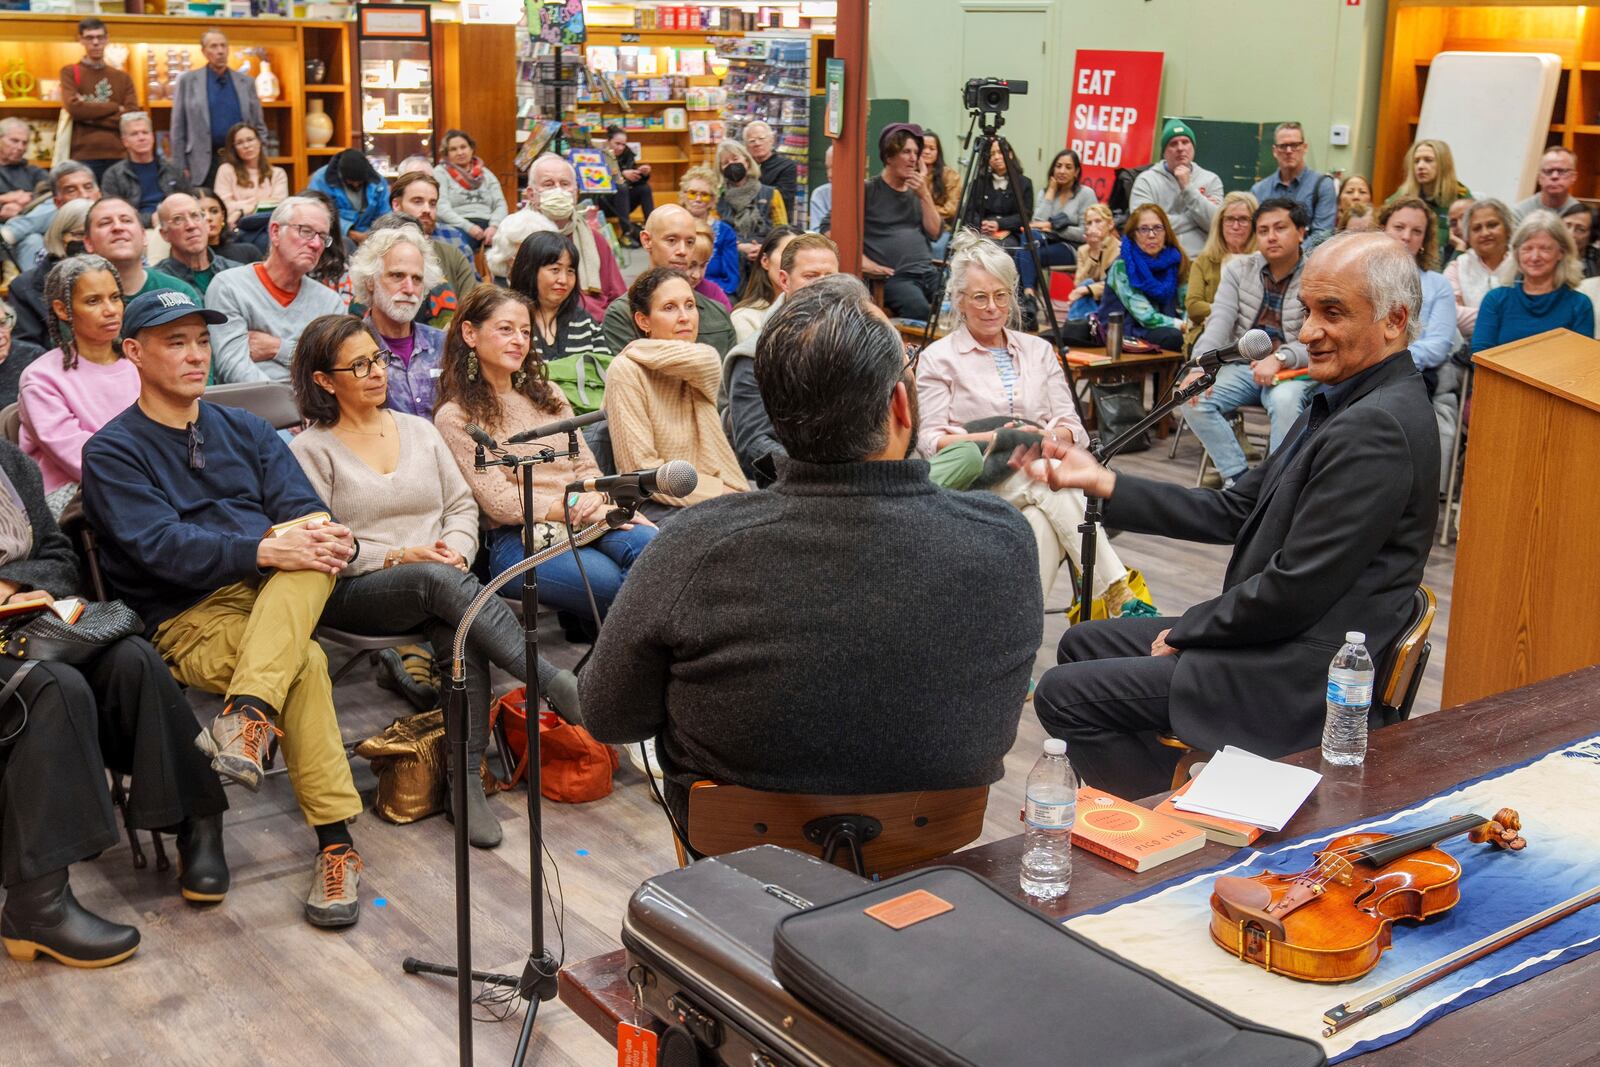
(1155, 276)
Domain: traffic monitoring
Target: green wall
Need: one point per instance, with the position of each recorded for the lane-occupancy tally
(1318, 61)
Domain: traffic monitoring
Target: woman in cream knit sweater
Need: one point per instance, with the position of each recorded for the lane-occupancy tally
(661, 394)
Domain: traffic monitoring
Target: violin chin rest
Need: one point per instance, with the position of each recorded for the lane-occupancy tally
(1243, 892)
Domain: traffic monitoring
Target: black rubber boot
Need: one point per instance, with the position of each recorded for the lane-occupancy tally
(43, 916)
(202, 865)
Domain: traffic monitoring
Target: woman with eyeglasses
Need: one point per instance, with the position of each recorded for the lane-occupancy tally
(698, 192)
(987, 389)
(246, 180)
(15, 355)
(392, 480)
(1232, 234)
(1147, 283)
(83, 382)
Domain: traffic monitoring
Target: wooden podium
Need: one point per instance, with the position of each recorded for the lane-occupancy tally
(1527, 581)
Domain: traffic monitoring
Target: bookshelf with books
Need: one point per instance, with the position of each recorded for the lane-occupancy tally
(771, 79)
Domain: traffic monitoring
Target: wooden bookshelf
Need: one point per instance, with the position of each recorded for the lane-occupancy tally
(46, 43)
(1421, 29)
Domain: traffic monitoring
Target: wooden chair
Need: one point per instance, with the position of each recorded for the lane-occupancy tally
(1396, 680)
(870, 833)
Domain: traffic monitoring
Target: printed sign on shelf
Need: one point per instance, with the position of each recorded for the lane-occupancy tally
(1115, 112)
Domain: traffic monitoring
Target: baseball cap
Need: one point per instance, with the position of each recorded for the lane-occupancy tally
(160, 306)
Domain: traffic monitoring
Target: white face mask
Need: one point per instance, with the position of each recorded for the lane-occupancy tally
(556, 204)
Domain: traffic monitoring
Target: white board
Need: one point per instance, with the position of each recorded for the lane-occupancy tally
(1493, 110)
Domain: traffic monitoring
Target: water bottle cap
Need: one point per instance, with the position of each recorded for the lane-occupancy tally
(1054, 746)
(1355, 637)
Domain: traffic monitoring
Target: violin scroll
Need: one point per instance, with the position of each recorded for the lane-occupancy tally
(1501, 831)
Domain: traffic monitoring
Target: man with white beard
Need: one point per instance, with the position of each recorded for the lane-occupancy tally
(392, 274)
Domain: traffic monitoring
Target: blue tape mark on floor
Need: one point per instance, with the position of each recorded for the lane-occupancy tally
(583, 852)
(380, 902)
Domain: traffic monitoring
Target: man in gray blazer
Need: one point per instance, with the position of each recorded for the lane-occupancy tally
(207, 103)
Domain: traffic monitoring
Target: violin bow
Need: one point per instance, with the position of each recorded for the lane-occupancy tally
(1353, 1011)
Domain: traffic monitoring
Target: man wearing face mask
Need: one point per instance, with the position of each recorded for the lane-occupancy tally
(392, 274)
(553, 193)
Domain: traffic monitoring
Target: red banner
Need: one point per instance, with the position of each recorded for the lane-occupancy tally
(1115, 113)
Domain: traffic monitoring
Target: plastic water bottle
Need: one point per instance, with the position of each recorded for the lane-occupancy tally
(947, 316)
(1052, 803)
(1344, 731)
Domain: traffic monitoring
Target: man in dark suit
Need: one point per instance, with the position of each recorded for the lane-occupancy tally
(1330, 534)
(206, 103)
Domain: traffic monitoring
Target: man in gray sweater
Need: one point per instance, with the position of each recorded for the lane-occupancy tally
(269, 303)
(1186, 191)
(854, 629)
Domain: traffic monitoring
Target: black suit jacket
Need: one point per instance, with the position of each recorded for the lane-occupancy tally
(1330, 539)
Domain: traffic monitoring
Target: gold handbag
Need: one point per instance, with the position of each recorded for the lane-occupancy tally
(410, 758)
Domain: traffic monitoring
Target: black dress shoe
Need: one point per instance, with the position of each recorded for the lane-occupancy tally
(202, 866)
(43, 916)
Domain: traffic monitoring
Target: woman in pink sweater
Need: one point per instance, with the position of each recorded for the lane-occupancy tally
(71, 391)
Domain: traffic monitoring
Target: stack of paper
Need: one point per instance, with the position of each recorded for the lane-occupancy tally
(1244, 787)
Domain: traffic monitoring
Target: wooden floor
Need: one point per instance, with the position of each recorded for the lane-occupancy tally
(250, 983)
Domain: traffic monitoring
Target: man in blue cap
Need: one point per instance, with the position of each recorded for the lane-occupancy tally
(209, 529)
(1186, 191)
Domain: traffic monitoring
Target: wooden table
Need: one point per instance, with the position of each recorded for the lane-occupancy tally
(1546, 1020)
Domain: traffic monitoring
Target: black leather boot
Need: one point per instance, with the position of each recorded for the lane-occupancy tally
(202, 866)
(483, 829)
(43, 916)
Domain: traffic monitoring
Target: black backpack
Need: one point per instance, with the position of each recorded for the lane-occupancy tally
(1122, 190)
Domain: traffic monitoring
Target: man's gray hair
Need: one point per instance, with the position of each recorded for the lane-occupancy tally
(133, 118)
(13, 123)
(212, 32)
(66, 169)
(1569, 269)
(285, 210)
(1391, 273)
(971, 249)
(749, 127)
(366, 266)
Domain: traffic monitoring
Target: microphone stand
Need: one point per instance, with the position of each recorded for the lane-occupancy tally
(537, 982)
(1103, 451)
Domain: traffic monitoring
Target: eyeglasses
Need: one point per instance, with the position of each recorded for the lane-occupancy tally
(1226, 221)
(197, 441)
(1151, 231)
(697, 196)
(1289, 146)
(984, 301)
(1556, 172)
(361, 366)
(310, 234)
(188, 216)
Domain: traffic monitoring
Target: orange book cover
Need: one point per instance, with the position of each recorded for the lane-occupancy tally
(1223, 831)
(1126, 834)
(1086, 359)
(1290, 374)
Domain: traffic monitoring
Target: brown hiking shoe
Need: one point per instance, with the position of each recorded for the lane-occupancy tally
(237, 743)
(335, 898)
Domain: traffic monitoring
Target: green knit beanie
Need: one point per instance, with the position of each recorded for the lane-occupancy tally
(1175, 128)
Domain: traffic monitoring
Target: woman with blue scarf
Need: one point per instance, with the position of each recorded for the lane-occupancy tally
(1148, 280)
(357, 190)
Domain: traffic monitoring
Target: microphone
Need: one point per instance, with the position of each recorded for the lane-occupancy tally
(1253, 345)
(673, 478)
(482, 439)
(577, 422)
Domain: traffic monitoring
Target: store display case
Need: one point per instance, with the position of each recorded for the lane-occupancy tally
(395, 79)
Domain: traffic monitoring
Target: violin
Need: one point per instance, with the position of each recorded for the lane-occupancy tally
(1331, 922)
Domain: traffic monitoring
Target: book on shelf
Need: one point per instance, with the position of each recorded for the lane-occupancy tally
(1223, 831)
(1128, 835)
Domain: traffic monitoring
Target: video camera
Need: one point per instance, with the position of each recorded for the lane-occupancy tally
(991, 95)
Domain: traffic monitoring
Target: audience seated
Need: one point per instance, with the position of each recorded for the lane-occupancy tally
(1187, 193)
(393, 482)
(944, 181)
(1314, 191)
(112, 229)
(1410, 221)
(668, 239)
(183, 496)
(120, 710)
(806, 259)
(987, 369)
(820, 203)
(633, 190)
(849, 536)
(80, 384)
(901, 218)
(15, 355)
(1431, 178)
(470, 197)
(697, 193)
(392, 273)
(747, 203)
(225, 241)
(1458, 237)
(992, 203)
(553, 195)
(1145, 283)
(1058, 219)
(358, 191)
(1543, 294)
(661, 393)
(1101, 247)
(1233, 233)
(776, 170)
(1558, 173)
(1354, 191)
(183, 227)
(145, 178)
(569, 344)
(24, 233)
(1262, 291)
(493, 379)
(246, 181)
(20, 181)
(1580, 224)
(265, 305)
(761, 283)
(1249, 667)
(333, 265)
(64, 238)
(415, 196)
(705, 244)
(1488, 225)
